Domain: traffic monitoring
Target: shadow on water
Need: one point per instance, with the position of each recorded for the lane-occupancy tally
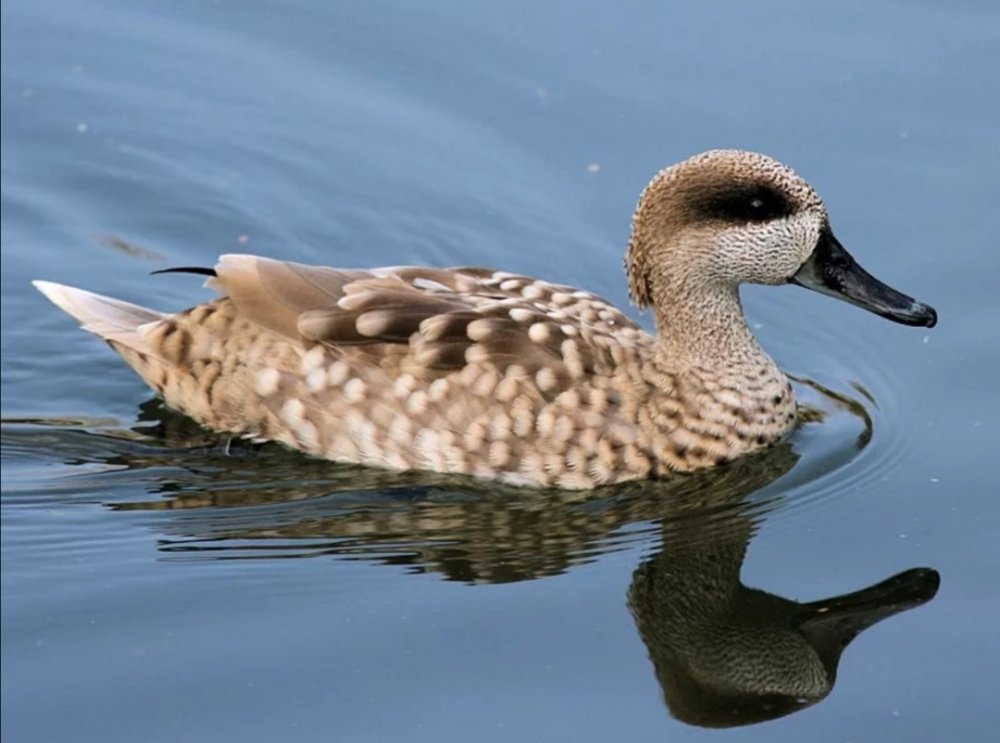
(724, 654)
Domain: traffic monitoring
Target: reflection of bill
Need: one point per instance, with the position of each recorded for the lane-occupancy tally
(724, 654)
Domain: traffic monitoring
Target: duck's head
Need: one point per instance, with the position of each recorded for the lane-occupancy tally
(728, 217)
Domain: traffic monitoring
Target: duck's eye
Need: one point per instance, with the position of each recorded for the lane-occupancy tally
(764, 206)
(754, 203)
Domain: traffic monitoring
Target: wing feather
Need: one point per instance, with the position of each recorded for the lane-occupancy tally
(438, 320)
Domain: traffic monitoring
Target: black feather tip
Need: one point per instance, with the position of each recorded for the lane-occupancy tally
(187, 269)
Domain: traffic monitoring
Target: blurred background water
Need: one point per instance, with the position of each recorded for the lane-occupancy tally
(156, 587)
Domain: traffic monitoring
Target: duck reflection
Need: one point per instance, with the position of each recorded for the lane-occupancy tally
(725, 654)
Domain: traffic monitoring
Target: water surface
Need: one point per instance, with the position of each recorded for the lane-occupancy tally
(158, 585)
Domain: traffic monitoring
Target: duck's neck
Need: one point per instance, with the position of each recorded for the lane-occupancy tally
(736, 397)
(703, 328)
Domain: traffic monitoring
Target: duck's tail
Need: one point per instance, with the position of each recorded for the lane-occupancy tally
(115, 321)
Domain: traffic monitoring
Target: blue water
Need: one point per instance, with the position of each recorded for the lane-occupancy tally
(159, 588)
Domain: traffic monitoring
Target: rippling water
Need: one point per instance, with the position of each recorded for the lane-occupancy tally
(162, 584)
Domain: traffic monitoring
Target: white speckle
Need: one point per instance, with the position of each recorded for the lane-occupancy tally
(510, 285)
(403, 385)
(574, 366)
(337, 373)
(499, 453)
(545, 422)
(82, 127)
(520, 314)
(313, 358)
(540, 332)
(500, 426)
(479, 330)
(438, 390)
(307, 435)
(546, 379)
(427, 284)
(516, 371)
(316, 380)
(401, 430)
(291, 411)
(453, 455)
(507, 389)
(564, 428)
(729, 398)
(427, 446)
(368, 450)
(267, 382)
(569, 349)
(354, 390)
(569, 330)
(593, 168)
(474, 437)
(476, 355)
(394, 459)
(524, 421)
(342, 449)
(533, 291)
(484, 383)
(417, 403)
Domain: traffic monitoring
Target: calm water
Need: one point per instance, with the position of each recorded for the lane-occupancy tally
(149, 590)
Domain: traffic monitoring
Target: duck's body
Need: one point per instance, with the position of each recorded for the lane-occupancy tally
(491, 374)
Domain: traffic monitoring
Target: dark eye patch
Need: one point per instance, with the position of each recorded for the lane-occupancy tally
(743, 202)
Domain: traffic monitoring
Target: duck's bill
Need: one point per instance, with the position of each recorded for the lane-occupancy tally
(832, 271)
(847, 615)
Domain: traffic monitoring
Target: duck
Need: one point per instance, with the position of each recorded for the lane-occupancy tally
(493, 374)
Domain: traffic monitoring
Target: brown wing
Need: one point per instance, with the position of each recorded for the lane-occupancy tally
(431, 320)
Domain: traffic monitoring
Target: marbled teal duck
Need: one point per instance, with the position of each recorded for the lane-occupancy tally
(498, 375)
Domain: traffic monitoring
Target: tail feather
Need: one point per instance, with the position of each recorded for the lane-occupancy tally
(111, 319)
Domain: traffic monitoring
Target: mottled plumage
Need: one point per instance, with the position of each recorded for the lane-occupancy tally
(493, 374)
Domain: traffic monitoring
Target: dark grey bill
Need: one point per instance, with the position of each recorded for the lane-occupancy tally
(831, 624)
(832, 271)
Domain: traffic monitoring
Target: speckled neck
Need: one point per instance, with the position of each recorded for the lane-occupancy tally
(736, 396)
(703, 327)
